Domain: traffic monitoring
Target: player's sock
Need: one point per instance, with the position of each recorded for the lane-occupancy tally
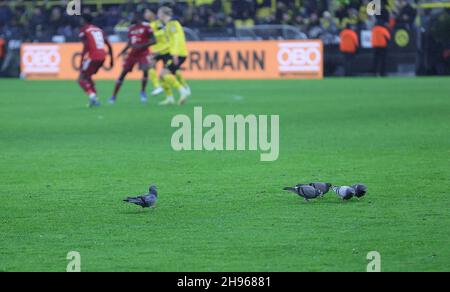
(154, 78)
(92, 86)
(116, 90)
(143, 97)
(169, 93)
(181, 79)
(157, 89)
(166, 86)
(183, 95)
(144, 82)
(183, 82)
(144, 87)
(172, 81)
(85, 85)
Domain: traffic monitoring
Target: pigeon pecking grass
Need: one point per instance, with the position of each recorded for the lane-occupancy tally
(360, 190)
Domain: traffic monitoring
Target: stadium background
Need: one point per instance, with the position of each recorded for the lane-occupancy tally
(65, 169)
(420, 43)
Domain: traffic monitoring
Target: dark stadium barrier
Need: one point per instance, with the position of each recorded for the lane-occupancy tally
(402, 57)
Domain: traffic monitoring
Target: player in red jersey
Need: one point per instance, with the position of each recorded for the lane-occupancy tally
(140, 38)
(92, 57)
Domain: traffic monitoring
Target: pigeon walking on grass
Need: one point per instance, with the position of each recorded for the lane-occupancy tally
(360, 190)
(304, 191)
(344, 192)
(322, 187)
(146, 200)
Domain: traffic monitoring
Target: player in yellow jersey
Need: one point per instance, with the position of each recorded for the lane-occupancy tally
(171, 75)
(160, 51)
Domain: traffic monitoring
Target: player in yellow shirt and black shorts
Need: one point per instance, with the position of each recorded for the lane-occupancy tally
(171, 74)
(160, 51)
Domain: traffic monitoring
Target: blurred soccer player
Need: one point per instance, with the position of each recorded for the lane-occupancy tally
(171, 74)
(92, 57)
(160, 50)
(140, 38)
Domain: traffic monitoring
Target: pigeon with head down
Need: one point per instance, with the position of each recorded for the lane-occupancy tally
(360, 190)
(146, 200)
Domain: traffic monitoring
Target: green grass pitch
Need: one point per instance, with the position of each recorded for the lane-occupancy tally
(65, 169)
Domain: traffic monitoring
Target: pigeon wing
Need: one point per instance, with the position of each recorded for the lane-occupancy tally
(322, 187)
(150, 200)
(308, 192)
(135, 200)
(345, 192)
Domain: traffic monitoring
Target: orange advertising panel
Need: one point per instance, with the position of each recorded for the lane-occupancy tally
(206, 60)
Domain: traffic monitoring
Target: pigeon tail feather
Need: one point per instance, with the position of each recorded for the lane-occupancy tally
(290, 189)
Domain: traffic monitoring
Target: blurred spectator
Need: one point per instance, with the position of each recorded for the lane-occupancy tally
(37, 18)
(406, 14)
(55, 20)
(351, 18)
(314, 28)
(5, 15)
(32, 21)
(328, 22)
(243, 9)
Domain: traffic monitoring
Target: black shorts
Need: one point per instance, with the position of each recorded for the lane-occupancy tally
(166, 58)
(174, 68)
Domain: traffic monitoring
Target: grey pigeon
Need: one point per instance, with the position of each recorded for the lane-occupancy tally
(360, 190)
(145, 200)
(344, 192)
(322, 187)
(304, 191)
